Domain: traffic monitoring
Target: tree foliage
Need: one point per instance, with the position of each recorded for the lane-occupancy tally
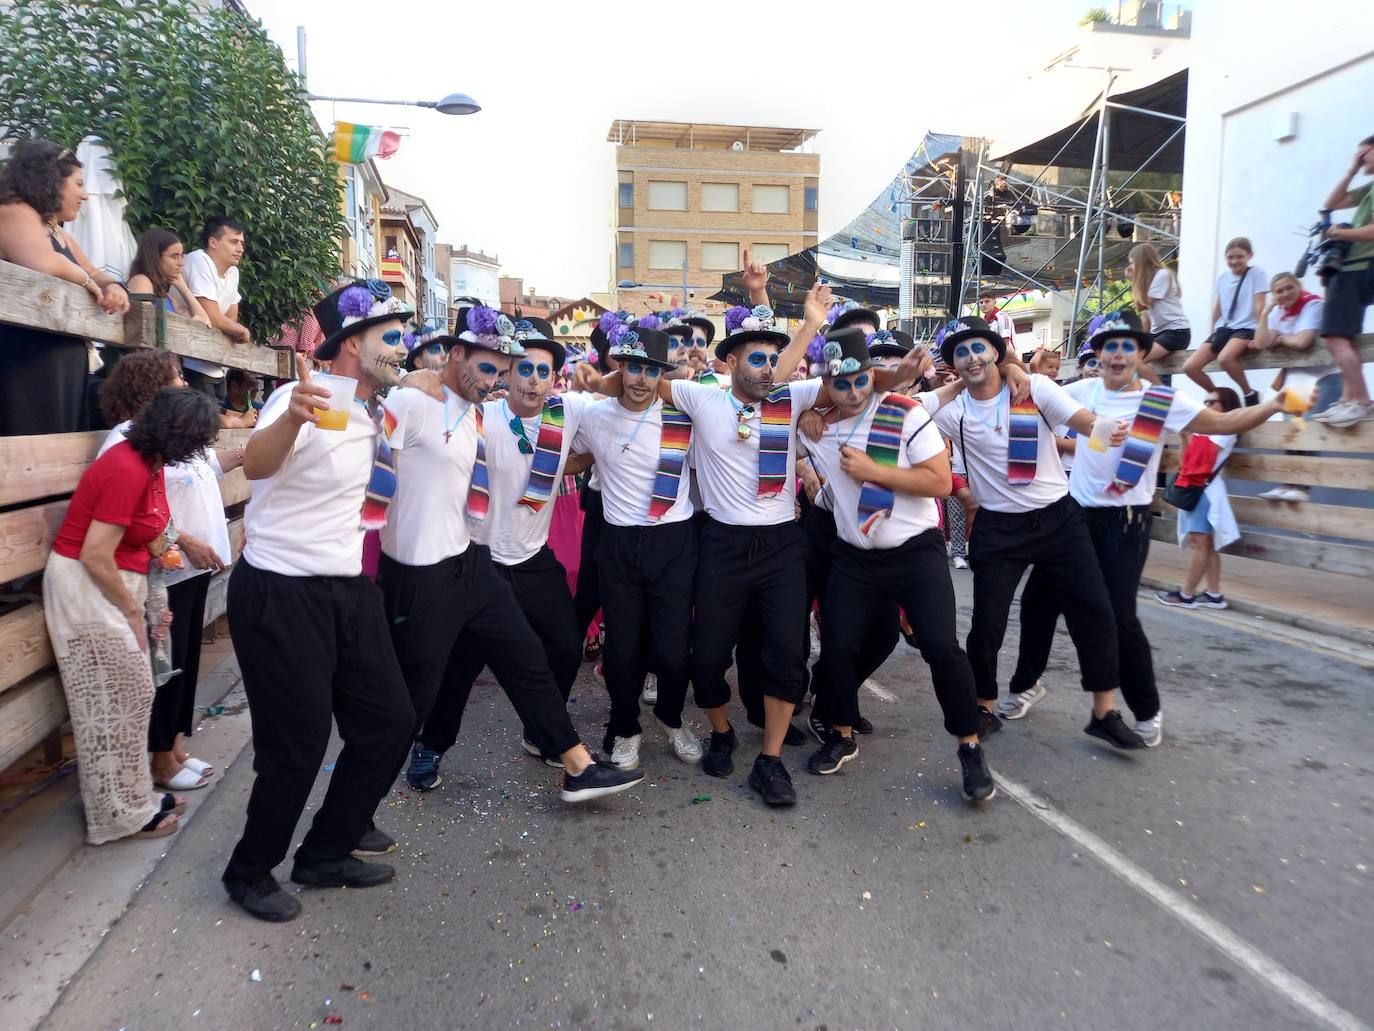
(202, 118)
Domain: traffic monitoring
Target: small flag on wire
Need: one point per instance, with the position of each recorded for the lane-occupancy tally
(354, 144)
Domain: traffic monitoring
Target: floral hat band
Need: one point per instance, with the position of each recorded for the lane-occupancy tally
(740, 319)
(880, 337)
(368, 300)
(627, 346)
(526, 330)
(835, 364)
(492, 329)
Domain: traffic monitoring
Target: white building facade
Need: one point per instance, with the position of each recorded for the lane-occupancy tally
(474, 274)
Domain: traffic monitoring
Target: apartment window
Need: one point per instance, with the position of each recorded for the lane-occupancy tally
(626, 255)
(627, 195)
(720, 257)
(720, 196)
(811, 194)
(771, 200)
(768, 252)
(667, 196)
(667, 253)
(390, 244)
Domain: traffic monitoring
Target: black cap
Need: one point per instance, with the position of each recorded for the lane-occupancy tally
(845, 351)
(536, 332)
(649, 346)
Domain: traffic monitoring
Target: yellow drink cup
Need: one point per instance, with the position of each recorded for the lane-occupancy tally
(341, 390)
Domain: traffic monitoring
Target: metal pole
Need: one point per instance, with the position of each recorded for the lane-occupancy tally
(1087, 218)
(1103, 208)
(684, 282)
(956, 241)
(300, 54)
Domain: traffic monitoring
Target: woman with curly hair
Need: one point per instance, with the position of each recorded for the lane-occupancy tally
(94, 588)
(197, 512)
(42, 374)
(157, 270)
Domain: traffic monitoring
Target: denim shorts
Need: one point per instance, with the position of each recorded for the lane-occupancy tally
(1197, 520)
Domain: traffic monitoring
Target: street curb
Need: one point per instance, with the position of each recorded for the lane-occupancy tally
(1275, 615)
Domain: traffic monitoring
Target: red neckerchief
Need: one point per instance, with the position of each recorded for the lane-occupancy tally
(1304, 299)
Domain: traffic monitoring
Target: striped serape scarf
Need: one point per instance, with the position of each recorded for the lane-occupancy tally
(775, 441)
(381, 485)
(548, 455)
(1146, 430)
(1023, 442)
(675, 437)
(884, 443)
(708, 377)
(479, 490)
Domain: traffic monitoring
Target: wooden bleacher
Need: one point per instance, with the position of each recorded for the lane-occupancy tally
(39, 473)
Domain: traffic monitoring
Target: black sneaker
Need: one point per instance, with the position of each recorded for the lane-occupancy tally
(717, 761)
(1112, 729)
(794, 736)
(1251, 399)
(597, 781)
(770, 779)
(820, 729)
(264, 899)
(862, 726)
(342, 873)
(836, 751)
(423, 772)
(978, 785)
(374, 842)
(988, 723)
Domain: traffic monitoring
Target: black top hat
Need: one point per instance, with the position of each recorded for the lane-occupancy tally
(424, 340)
(1120, 324)
(492, 330)
(965, 329)
(749, 326)
(889, 344)
(848, 318)
(353, 308)
(845, 351)
(536, 332)
(704, 324)
(648, 346)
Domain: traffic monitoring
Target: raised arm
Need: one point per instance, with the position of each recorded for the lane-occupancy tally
(817, 303)
(755, 280)
(1340, 195)
(1238, 420)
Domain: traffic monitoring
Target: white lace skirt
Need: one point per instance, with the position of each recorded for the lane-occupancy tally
(109, 686)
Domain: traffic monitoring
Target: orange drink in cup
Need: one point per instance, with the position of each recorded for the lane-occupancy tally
(341, 390)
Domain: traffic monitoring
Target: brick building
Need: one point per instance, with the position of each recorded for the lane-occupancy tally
(702, 195)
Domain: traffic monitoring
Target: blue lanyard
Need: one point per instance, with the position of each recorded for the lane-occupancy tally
(996, 424)
(625, 444)
(841, 445)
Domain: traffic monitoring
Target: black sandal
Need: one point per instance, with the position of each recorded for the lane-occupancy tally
(171, 805)
(161, 825)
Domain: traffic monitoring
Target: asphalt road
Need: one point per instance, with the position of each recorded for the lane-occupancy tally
(1224, 880)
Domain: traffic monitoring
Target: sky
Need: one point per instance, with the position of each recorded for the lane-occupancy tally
(530, 177)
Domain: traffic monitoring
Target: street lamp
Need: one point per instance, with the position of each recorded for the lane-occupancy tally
(452, 104)
(630, 284)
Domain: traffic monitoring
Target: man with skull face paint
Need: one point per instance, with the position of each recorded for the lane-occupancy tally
(443, 594)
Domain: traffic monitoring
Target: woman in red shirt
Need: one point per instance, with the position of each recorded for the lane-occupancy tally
(94, 588)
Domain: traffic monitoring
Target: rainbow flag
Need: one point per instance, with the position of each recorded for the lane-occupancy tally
(354, 144)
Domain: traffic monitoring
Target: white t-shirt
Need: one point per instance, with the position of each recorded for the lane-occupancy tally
(727, 467)
(425, 522)
(1309, 318)
(1093, 471)
(305, 519)
(515, 532)
(911, 515)
(1166, 303)
(1063, 430)
(1252, 281)
(625, 445)
(204, 280)
(1004, 327)
(194, 500)
(979, 430)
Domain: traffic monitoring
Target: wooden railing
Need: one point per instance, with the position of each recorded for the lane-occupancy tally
(1307, 453)
(39, 473)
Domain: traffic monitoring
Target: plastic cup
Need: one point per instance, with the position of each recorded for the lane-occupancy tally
(1101, 439)
(341, 390)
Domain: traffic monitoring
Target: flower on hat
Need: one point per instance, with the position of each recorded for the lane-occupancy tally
(360, 301)
(815, 348)
(837, 366)
(607, 321)
(648, 322)
(734, 318)
(482, 320)
(355, 302)
(761, 311)
(880, 337)
(379, 289)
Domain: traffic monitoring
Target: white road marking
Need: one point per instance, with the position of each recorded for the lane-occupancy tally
(882, 693)
(1283, 981)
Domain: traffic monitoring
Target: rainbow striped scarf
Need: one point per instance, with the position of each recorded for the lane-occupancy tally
(479, 490)
(675, 437)
(1023, 442)
(775, 441)
(1146, 429)
(548, 455)
(884, 443)
(708, 378)
(381, 485)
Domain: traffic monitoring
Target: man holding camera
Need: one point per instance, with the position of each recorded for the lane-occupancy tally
(1350, 291)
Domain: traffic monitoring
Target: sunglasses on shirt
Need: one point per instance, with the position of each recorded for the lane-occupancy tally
(517, 426)
(844, 383)
(527, 369)
(639, 369)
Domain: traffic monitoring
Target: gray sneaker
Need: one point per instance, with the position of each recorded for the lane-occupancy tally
(1014, 706)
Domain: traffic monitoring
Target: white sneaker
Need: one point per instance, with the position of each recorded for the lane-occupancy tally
(625, 752)
(1284, 493)
(1298, 494)
(960, 562)
(686, 745)
(649, 695)
(1347, 413)
(1151, 731)
(1014, 706)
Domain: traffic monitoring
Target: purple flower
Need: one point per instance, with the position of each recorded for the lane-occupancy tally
(410, 340)
(379, 289)
(813, 349)
(482, 320)
(615, 333)
(1095, 323)
(735, 317)
(836, 310)
(607, 321)
(355, 302)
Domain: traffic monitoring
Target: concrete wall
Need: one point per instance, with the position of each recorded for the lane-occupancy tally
(1250, 74)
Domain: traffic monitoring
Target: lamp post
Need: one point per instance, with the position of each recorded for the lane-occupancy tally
(452, 104)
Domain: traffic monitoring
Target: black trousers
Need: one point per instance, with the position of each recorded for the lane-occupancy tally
(174, 704)
(439, 614)
(1121, 537)
(1054, 540)
(540, 586)
(744, 570)
(312, 649)
(647, 574)
(588, 593)
(863, 587)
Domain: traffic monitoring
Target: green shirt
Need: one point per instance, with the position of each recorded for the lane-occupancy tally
(1361, 251)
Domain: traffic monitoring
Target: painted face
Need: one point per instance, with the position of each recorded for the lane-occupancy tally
(1091, 368)
(1286, 291)
(172, 260)
(531, 377)
(432, 356)
(1237, 259)
(640, 381)
(478, 371)
(851, 392)
(72, 196)
(1117, 358)
(973, 359)
(381, 353)
(751, 369)
(679, 348)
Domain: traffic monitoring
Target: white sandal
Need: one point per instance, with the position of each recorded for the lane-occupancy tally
(185, 780)
(198, 766)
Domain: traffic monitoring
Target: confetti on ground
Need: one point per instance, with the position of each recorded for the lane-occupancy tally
(868, 895)
(333, 1018)
(574, 906)
(701, 798)
(328, 767)
(256, 975)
